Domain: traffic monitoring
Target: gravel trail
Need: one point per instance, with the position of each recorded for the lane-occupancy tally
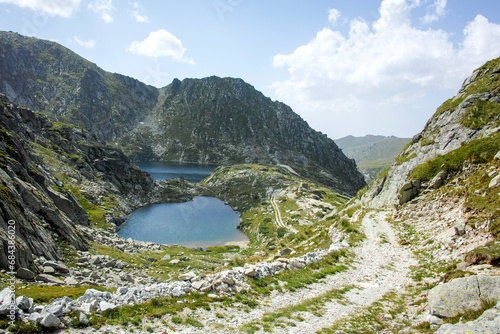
(381, 265)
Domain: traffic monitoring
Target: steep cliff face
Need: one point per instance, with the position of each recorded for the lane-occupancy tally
(464, 129)
(55, 177)
(226, 121)
(47, 77)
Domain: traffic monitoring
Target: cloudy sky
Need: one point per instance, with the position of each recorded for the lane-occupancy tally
(346, 66)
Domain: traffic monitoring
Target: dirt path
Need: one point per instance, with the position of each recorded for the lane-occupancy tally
(381, 265)
(279, 220)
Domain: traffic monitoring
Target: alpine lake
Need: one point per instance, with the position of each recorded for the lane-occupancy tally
(202, 222)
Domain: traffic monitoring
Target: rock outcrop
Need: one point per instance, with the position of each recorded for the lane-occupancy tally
(46, 77)
(469, 116)
(463, 295)
(57, 178)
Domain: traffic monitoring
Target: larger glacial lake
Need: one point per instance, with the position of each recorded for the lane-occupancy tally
(162, 170)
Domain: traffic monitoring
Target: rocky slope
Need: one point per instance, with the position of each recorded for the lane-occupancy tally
(458, 124)
(56, 177)
(44, 76)
(210, 120)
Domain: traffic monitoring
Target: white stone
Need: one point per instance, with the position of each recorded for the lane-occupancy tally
(50, 320)
(106, 306)
(187, 276)
(83, 319)
(495, 182)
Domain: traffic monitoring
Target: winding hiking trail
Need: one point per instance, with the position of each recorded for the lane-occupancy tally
(279, 220)
(381, 265)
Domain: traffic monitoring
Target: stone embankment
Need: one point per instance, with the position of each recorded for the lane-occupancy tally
(225, 282)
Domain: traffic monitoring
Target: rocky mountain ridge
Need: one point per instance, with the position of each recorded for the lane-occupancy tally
(56, 177)
(210, 120)
(469, 116)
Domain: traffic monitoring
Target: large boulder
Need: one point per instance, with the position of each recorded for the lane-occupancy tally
(462, 295)
(488, 322)
(409, 191)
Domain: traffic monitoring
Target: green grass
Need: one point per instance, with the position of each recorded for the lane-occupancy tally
(45, 293)
(480, 151)
(481, 114)
(299, 278)
(484, 83)
(157, 308)
(313, 305)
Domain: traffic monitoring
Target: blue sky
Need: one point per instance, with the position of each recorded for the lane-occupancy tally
(346, 66)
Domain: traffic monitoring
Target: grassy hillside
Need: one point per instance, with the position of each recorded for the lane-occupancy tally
(373, 154)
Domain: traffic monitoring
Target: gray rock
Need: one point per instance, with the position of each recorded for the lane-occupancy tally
(488, 322)
(106, 306)
(24, 303)
(49, 270)
(26, 274)
(122, 290)
(187, 276)
(6, 296)
(495, 182)
(438, 180)
(286, 251)
(83, 319)
(50, 320)
(166, 257)
(463, 294)
(35, 317)
(175, 261)
(409, 191)
(71, 280)
(250, 272)
(49, 279)
(460, 227)
(178, 292)
(89, 307)
(54, 309)
(57, 266)
(497, 156)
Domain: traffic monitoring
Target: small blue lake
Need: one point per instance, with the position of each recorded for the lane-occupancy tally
(163, 170)
(202, 222)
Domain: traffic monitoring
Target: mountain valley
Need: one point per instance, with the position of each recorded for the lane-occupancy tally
(415, 251)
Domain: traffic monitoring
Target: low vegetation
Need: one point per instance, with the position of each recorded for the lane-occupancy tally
(478, 151)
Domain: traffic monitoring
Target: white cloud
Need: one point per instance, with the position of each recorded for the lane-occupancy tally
(380, 65)
(103, 8)
(137, 13)
(88, 44)
(49, 7)
(334, 16)
(437, 11)
(160, 43)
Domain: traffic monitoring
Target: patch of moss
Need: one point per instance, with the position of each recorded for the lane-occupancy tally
(480, 114)
(484, 82)
(489, 253)
(480, 151)
(46, 293)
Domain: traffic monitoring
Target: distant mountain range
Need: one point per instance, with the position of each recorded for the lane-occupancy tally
(211, 120)
(373, 154)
